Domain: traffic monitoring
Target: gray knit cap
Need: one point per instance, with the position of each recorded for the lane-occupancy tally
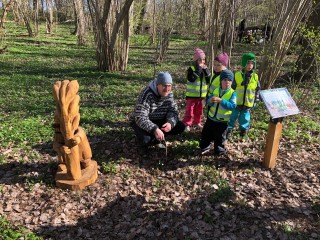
(164, 78)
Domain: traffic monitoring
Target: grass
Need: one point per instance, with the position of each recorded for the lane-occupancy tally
(29, 70)
(30, 67)
(223, 193)
(9, 232)
(291, 232)
(109, 168)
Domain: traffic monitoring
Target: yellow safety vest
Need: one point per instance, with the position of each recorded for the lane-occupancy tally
(216, 110)
(215, 83)
(198, 88)
(245, 97)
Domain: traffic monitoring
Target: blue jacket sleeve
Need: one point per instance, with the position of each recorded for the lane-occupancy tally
(231, 104)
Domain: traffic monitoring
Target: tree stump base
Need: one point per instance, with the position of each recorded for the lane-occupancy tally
(88, 176)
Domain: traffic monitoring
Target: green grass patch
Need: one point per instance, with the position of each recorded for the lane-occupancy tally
(9, 232)
(109, 168)
(291, 232)
(222, 194)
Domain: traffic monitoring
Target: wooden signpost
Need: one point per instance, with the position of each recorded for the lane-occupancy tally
(279, 104)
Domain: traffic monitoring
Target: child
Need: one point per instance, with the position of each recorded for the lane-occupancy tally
(247, 87)
(198, 76)
(221, 102)
(220, 63)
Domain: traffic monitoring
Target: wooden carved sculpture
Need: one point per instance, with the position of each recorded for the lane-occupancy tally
(76, 170)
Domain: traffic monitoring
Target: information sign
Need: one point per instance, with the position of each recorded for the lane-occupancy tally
(279, 102)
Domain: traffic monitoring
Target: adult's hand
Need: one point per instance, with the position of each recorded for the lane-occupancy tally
(159, 134)
(166, 127)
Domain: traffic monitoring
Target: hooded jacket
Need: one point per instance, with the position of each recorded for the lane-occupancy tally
(152, 107)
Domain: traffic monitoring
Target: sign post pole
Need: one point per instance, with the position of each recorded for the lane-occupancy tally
(279, 104)
(272, 144)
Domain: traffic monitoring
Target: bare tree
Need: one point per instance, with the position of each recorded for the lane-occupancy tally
(36, 16)
(308, 57)
(5, 12)
(290, 15)
(108, 19)
(80, 21)
(153, 39)
(168, 10)
(213, 31)
(187, 16)
(205, 15)
(64, 10)
(23, 9)
(124, 53)
(49, 16)
(227, 38)
(141, 7)
(164, 31)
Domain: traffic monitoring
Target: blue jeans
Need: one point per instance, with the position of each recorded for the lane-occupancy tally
(243, 117)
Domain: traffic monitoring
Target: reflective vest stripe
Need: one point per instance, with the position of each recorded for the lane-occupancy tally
(195, 91)
(198, 88)
(194, 83)
(215, 83)
(246, 97)
(221, 114)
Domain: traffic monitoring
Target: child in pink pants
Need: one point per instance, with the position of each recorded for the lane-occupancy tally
(198, 77)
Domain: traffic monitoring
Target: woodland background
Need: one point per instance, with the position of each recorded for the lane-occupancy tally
(114, 48)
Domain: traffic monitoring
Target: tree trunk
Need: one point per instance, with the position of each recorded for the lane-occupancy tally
(141, 17)
(153, 40)
(16, 13)
(228, 33)
(107, 30)
(308, 59)
(213, 32)
(290, 15)
(4, 14)
(164, 33)
(80, 22)
(25, 18)
(187, 16)
(164, 43)
(49, 17)
(36, 16)
(125, 43)
(42, 9)
(202, 19)
(91, 16)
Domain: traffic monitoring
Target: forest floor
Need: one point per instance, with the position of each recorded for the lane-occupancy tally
(193, 198)
(178, 196)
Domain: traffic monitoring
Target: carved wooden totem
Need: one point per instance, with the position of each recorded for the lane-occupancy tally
(76, 170)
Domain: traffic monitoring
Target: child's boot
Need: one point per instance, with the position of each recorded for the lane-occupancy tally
(243, 133)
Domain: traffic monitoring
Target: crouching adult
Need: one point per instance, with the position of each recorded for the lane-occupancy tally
(155, 115)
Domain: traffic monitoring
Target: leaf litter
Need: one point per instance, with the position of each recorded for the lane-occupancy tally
(187, 199)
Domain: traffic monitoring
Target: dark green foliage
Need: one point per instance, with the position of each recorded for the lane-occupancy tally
(8, 232)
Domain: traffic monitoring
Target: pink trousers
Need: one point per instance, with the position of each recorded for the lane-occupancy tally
(193, 113)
